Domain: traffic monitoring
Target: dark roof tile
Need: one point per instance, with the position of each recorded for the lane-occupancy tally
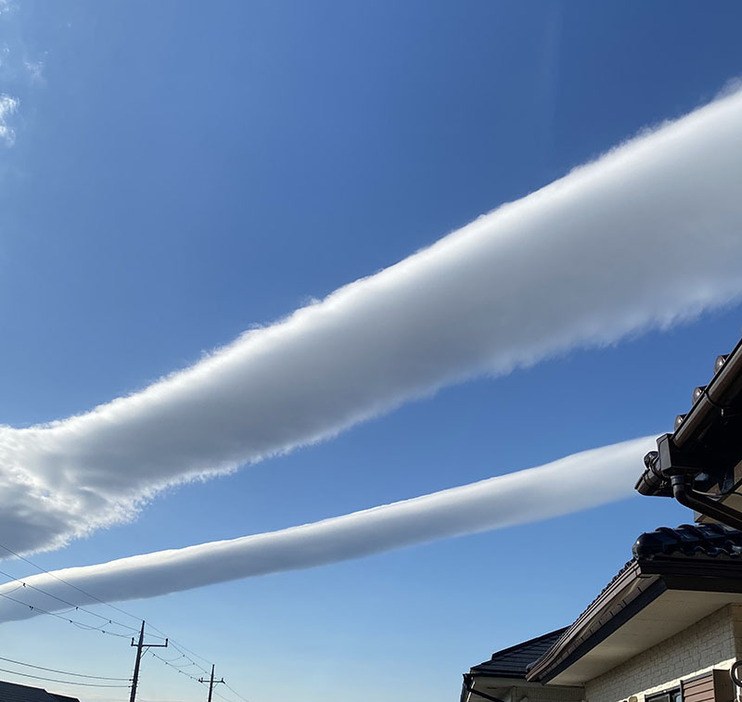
(684, 547)
(690, 540)
(513, 662)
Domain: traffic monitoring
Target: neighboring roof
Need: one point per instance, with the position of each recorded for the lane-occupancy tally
(11, 692)
(700, 565)
(514, 662)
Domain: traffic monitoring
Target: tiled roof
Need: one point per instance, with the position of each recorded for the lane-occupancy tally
(713, 549)
(684, 550)
(513, 662)
(10, 692)
(690, 540)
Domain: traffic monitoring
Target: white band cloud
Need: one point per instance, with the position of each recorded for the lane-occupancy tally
(644, 237)
(577, 482)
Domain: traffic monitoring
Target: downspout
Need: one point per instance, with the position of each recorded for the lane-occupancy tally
(683, 492)
(682, 455)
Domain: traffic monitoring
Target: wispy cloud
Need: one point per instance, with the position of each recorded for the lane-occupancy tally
(35, 70)
(580, 481)
(645, 237)
(18, 70)
(8, 106)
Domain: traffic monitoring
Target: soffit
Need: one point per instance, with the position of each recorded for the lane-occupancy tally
(668, 614)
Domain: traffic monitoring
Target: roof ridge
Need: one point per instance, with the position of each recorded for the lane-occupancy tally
(689, 540)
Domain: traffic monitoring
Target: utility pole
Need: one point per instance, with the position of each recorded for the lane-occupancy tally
(211, 681)
(140, 645)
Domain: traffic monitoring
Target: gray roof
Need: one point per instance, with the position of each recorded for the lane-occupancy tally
(513, 662)
(11, 692)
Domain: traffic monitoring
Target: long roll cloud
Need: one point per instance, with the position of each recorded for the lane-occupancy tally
(577, 482)
(642, 238)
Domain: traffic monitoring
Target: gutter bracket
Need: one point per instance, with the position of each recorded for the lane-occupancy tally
(469, 686)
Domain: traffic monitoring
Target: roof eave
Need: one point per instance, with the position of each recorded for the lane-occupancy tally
(630, 591)
(635, 588)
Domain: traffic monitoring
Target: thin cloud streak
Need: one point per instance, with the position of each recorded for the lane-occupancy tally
(574, 483)
(8, 106)
(643, 238)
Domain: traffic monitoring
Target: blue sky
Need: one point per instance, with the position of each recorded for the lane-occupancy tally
(181, 173)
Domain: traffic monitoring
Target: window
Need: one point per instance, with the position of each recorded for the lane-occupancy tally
(674, 695)
(713, 686)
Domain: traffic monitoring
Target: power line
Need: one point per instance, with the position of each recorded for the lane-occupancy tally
(180, 648)
(64, 682)
(57, 615)
(229, 687)
(178, 670)
(183, 649)
(176, 645)
(227, 698)
(171, 662)
(63, 672)
(63, 601)
(191, 677)
(75, 587)
(192, 662)
(81, 625)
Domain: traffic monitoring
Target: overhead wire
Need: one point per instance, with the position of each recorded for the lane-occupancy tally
(229, 687)
(188, 675)
(180, 648)
(183, 650)
(176, 668)
(61, 614)
(73, 586)
(63, 672)
(48, 594)
(63, 682)
(57, 615)
(76, 608)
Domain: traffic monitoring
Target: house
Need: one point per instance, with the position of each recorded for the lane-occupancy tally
(503, 677)
(667, 628)
(12, 692)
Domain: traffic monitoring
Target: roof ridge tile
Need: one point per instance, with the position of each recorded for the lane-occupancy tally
(690, 541)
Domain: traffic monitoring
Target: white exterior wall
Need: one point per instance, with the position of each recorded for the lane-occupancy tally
(525, 692)
(713, 642)
(544, 694)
